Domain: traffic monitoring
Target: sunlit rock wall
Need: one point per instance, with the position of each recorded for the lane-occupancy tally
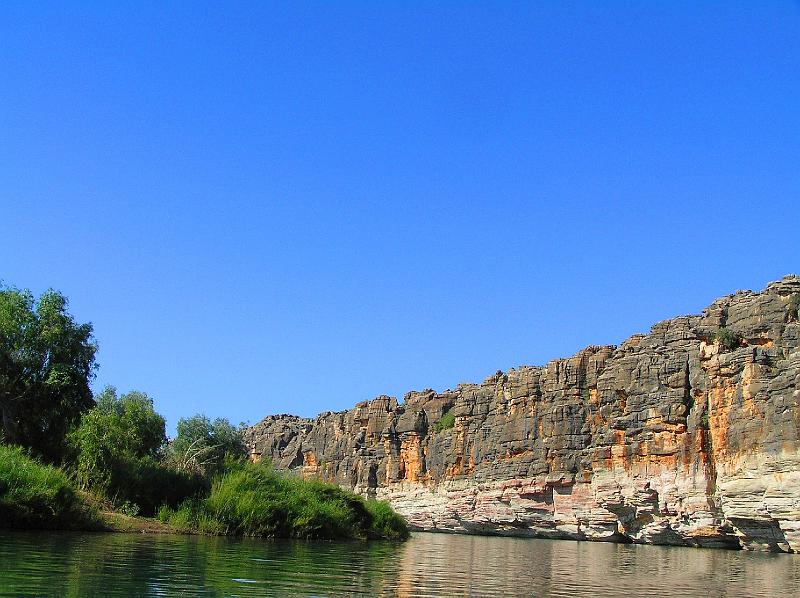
(687, 435)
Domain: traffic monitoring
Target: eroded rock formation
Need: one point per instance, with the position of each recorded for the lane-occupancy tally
(688, 435)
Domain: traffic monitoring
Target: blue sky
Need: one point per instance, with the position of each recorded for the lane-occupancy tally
(291, 207)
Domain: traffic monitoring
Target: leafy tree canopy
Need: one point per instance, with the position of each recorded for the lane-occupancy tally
(140, 430)
(202, 444)
(47, 360)
(114, 436)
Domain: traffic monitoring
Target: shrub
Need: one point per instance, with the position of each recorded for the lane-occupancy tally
(128, 508)
(255, 500)
(148, 484)
(39, 496)
(728, 339)
(201, 445)
(117, 445)
(386, 523)
(447, 421)
(117, 432)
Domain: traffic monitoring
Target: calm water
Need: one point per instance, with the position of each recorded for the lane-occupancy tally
(48, 564)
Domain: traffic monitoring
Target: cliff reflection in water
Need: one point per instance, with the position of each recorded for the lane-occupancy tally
(444, 565)
(47, 564)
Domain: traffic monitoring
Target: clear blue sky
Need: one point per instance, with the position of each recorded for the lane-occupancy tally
(268, 208)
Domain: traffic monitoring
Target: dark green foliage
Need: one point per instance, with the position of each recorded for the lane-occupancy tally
(117, 431)
(202, 445)
(448, 421)
(254, 500)
(46, 364)
(33, 495)
(138, 429)
(147, 484)
(386, 523)
(118, 445)
(728, 339)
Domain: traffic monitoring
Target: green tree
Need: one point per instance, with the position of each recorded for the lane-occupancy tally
(116, 442)
(47, 360)
(202, 445)
(142, 430)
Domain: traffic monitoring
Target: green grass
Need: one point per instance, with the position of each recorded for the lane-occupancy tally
(255, 500)
(386, 523)
(33, 495)
(246, 500)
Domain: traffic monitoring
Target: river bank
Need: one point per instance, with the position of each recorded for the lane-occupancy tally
(243, 499)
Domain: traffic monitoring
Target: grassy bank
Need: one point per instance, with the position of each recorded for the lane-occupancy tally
(255, 500)
(119, 460)
(39, 496)
(243, 500)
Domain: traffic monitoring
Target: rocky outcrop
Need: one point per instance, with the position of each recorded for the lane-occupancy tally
(688, 435)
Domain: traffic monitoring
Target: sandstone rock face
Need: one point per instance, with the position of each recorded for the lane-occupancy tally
(688, 435)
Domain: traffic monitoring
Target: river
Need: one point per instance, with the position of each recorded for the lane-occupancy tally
(436, 565)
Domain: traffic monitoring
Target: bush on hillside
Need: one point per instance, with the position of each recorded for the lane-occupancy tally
(728, 339)
(448, 421)
(33, 495)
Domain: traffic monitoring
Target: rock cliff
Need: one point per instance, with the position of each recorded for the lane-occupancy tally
(688, 435)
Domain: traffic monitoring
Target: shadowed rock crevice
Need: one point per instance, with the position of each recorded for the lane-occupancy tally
(683, 436)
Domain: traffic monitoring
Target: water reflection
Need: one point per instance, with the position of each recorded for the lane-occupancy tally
(48, 564)
(440, 565)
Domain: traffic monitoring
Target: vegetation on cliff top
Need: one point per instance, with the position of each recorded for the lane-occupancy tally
(62, 452)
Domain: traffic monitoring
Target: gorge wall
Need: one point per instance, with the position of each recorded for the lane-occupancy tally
(688, 435)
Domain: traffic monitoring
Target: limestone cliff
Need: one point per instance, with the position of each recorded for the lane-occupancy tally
(688, 435)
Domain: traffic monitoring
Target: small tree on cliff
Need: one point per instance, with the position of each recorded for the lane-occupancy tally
(46, 364)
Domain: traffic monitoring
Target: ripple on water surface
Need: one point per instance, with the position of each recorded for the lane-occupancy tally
(435, 565)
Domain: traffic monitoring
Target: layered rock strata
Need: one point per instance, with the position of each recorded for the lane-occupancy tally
(688, 435)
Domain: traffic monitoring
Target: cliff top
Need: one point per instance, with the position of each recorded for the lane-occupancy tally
(711, 318)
